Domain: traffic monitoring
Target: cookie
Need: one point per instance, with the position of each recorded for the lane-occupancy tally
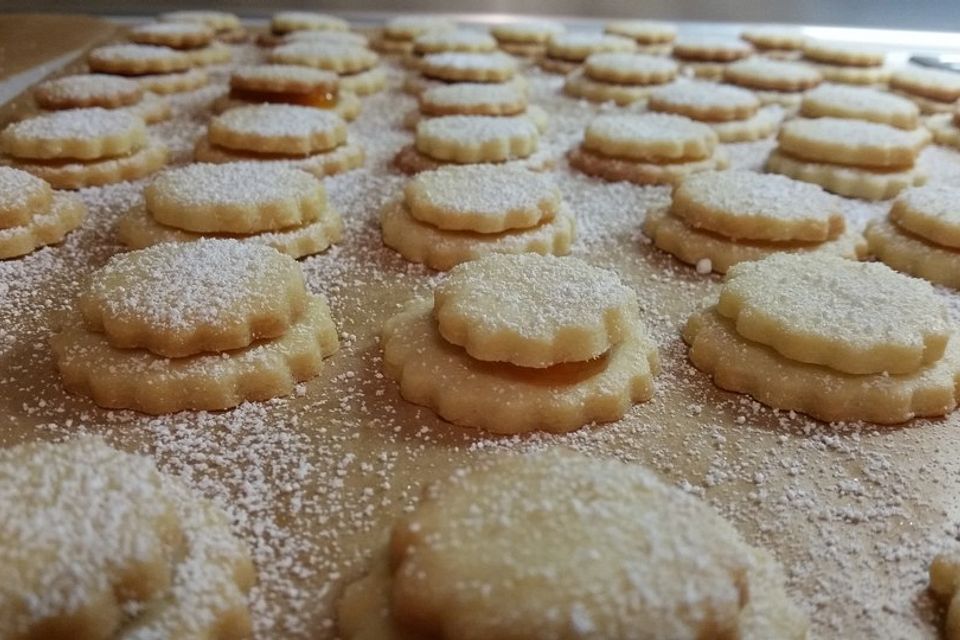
(644, 32)
(771, 75)
(441, 41)
(278, 129)
(850, 181)
(44, 227)
(176, 35)
(860, 103)
(559, 309)
(365, 82)
(471, 139)
(75, 174)
(432, 373)
(288, 84)
(710, 50)
(137, 59)
(80, 134)
(456, 66)
(753, 206)
(567, 51)
(526, 33)
(343, 38)
(945, 130)
(138, 230)
(22, 196)
(90, 90)
(87, 534)
(710, 251)
(165, 83)
(913, 254)
(853, 317)
(238, 197)
(629, 68)
(409, 27)
(649, 138)
(463, 559)
(179, 300)
(442, 249)
(152, 109)
(216, 53)
(704, 101)
(935, 91)
(774, 39)
(289, 21)
(579, 85)
(343, 158)
(220, 21)
(465, 98)
(482, 198)
(338, 58)
(852, 142)
(944, 580)
(875, 76)
(762, 125)
(930, 212)
(838, 53)
(641, 172)
(744, 366)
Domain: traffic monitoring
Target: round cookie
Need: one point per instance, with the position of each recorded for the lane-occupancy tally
(219, 21)
(761, 125)
(137, 59)
(178, 82)
(854, 317)
(836, 53)
(710, 50)
(236, 197)
(860, 103)
(71, 174)
(931, 212)
(913, 254)
(285, 79)
(82, 134)
(754, 206)
(482, 198)
(649, 137)
(558, 310)
(851, 142)
(410, 26)
(874, 76)
(577, 47)
(22, 196)
(464, 98)
(89, 90)
(641, 172)
(345, 157)
(182, 299)
(472, 139)
(579, 85)
(933, 90)
(338, 58)
(630, 68)
(289, 21)
(457, 66)
(771, 75)
(176, 35)
(850, 181)
(526, 33)
(774, 39)
(704, 101)
(644, 32)
(461, 41)
(276, 128)
(45, 227)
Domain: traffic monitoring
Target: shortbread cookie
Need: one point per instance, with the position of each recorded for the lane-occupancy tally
(238, 197)
(441, 41)
(761, 125)
(842, 74)
(942, 86)
(165, 83)
(345, 157)
(342, 59)
(563, 398)
(152, 109)
(852, 142)
(482, 198)
(71, 174)
(558, 310)
(288, 21)
(579, 85)
(411, 161)
(715, 252)
(331, 37)
(464, 98)
(944, 129)
(536, 114)
(139, 380)
(87, 533)
(219, 21)
(618, 560)
(178, 300)
(176, 35)
(755, 206)
(574, 48)
(276, 128)
(216, 53)
(854, 317)
(284, 79)
(137, 59)
(345, 104)
(738, 364)
(138, 230)
(526, 33)
(90, 90)
(850, 181)
(774, 39)
(644, 32)
(411, 26)
(945, 584)
(22, 196)
(704, 101)
(837, 53)
(443, 249)
(913, 254)
(710, 50)
(456, 66)
(45, 227)
(649, 137)
(470, 139)
(641, 172)
(932, 212)
(365, 82)
(927, 105)
(771, 75)
(860, 103)
(630, 68)
(81, 134)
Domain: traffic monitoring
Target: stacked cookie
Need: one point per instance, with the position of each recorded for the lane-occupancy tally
(253, 203)
(201, 325)
(157, 69)
(933, 90)
(357, 66)
(80, 148)
(472, 140)
(32, 215)
(652, 38)
(314, 140)
(921, 235)
(400, 32)
(778, 43)
(735, 114)
(720, 218)
(449, 41)
(621, 78)
(453, 67)
(846, 64)
(101, 90)
(476, 99)
(225, 25)
(563, 348)
(836, 339)
(194, 39)
(284, 22)
(860, 103)
(648, 148)
(459, 213)
(133, 553)
(850, 157)
(707, 58)
(567, 51)
(525, 39)
(773, 81)
(945, 128)
(288, 84)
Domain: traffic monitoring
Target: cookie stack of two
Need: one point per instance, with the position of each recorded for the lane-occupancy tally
(33, 215)
(621, 78)
(204, 325)
(195, 40)
(733, 113)
(837, 339)
(356, 65)
(515, 343)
